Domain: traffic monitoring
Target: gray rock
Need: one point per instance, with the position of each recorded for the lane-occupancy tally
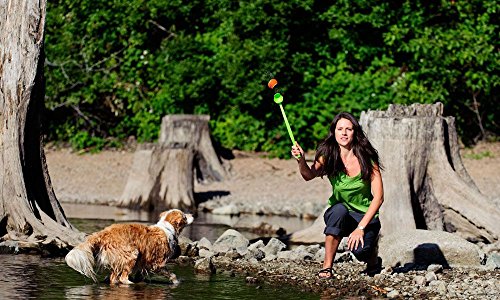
(313, 249)
(319, 256)
(430, 276)
(230, 209)
(230, 239)
(490, 248)
(233, 254)
(204, 265)
(273, 247)
(257, 254)
(393, 294)
(242, 251)
(344, 257)
(287, 255)
(435, 268)
(439, 286)
(256, 245)
(419, 280)
(205, 253)
(424, 247)
(269, 257)
(302, 253)
(493, 261)
(204, 243)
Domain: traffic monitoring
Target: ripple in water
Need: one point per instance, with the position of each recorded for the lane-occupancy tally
(33, 277)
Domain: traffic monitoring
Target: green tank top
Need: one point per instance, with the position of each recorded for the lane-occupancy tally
(354, 192)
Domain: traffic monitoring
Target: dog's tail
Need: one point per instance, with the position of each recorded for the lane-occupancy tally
(81, 259)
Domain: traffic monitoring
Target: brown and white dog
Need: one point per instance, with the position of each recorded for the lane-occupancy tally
(126, 249)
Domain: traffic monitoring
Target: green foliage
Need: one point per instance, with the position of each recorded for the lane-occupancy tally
(478, 156)
(114, 69)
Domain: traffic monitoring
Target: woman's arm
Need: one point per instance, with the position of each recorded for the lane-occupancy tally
(307, 172)
(378, 197)
(356, 236)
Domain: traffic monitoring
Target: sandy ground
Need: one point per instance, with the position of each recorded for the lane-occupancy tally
(94, 178)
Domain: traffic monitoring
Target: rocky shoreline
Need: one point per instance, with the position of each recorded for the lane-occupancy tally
(271, 263)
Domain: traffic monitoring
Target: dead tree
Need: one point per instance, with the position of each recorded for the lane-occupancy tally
(191, 131)
(160, 178)
(162, 175)
(30, 215)
(426, 185)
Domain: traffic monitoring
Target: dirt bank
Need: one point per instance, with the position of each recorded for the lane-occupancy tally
(101, 177)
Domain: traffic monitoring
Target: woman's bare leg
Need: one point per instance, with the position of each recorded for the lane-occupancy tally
(331, 245)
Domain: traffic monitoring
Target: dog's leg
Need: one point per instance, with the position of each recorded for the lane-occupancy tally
(113, 278)
(124, 278)
(128, 266)
(171, 276)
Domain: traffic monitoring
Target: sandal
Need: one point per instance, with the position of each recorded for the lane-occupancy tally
(324, 272)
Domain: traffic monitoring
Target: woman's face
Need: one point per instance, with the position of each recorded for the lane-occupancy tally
(344, 132)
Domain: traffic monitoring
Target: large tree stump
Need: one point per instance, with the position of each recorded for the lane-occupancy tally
(162, 175)
(30, 215)
(426, 185)
(160, 178)
(191, 131)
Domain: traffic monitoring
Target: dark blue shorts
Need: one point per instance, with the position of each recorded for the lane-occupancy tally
(342, 222)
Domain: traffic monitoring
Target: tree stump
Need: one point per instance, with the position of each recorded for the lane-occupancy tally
(160, 178)
(162, 175)
(31, 218)
(426, 185)
(191, 131)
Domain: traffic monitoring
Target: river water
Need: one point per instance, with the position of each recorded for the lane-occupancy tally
(32, 277)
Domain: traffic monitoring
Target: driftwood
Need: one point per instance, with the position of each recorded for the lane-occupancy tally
(162, 175)
(30, 215)
(426, 185)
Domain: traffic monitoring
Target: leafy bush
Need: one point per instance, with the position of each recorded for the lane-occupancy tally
(114, 69)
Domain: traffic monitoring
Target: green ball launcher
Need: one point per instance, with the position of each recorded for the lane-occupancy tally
(278, 99)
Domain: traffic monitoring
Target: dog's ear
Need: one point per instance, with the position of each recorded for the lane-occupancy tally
(163, 215)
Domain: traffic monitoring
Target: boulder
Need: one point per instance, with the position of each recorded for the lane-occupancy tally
(425, 247)
(230, 239)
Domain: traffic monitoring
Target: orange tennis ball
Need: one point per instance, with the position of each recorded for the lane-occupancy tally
(272, 83)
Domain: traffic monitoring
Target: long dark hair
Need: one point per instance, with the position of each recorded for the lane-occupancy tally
(330, 151)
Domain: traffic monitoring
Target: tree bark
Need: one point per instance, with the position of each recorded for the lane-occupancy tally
(191, 131)
(426, 185)
(162, 175)
(160, 178)
(30, 214)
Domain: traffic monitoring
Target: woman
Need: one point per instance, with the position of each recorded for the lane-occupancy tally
(352, 165)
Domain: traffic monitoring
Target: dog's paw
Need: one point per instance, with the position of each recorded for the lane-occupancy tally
(174, 279)
(126, 282)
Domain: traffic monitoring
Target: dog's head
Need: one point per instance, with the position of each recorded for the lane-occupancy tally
(177, 219)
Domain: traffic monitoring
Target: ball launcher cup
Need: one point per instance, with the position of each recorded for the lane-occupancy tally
(278, 99)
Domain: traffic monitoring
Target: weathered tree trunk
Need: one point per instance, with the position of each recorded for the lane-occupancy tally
(30, 214)
(162, 175)
(191, 131)
(426, 185)
(160, 178)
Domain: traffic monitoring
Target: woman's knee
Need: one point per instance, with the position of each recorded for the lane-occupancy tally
(362, 253)
(335, 213)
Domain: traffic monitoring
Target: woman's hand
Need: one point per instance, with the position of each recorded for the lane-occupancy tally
(355, 239)
(297, 151)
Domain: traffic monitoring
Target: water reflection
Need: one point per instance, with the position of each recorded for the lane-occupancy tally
(29, 276)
